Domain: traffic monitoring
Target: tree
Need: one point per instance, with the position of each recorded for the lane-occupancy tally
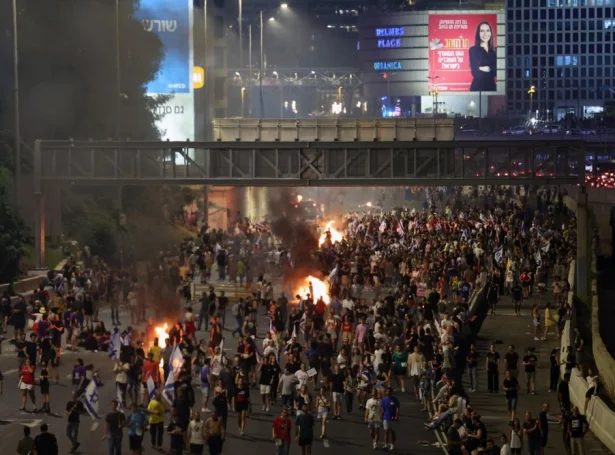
(14, 236)
(68, 71)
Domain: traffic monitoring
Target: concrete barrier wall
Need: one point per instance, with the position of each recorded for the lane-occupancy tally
(598, 414)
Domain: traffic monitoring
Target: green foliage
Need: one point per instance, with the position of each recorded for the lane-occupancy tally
(67, 69)
(14, 236)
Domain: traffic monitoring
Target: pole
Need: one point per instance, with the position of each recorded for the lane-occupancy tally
(17, 135)
(262, 69)
(281, 100)
(240, 34)
(250, 70)
(118, 87)
(480, 107)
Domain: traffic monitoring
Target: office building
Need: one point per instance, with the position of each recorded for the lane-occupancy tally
(564, 50)
(431, 62)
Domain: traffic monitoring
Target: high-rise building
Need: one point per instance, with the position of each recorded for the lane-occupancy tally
(559, 56)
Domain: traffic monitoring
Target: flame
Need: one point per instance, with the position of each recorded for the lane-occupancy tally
(162, 334)
(336, 236)
(320, 289)
(299, 198)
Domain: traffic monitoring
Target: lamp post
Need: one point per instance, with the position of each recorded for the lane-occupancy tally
(240, 20)
(262, 67)
(118, 86)
(531, 92)
(250, 70)
(434, 92)
(17, 134)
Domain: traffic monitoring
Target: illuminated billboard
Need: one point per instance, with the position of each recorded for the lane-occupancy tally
(171, 21)
(462, 52)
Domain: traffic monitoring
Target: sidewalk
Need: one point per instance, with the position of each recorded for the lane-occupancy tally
(510, 329)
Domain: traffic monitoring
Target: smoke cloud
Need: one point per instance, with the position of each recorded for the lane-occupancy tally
(296, 235)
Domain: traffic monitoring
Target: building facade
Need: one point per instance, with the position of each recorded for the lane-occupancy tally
(432, 62)
(564, 50)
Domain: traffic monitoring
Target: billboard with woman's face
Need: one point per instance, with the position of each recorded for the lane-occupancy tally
(462, 52)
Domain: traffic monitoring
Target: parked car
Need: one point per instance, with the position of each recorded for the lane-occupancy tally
(579, 132)
(515, 131)
(549, 129)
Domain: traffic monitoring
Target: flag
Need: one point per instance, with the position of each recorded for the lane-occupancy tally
(333, 274)
(383, 226)
(400, 228)
(415, 244)
(483, 218)
(176, 361)
(151, 387)
(272, 330)
(538, 258)
(462, 216)
(302, 322)
(115, 344)
(118, 398)
(464, 235)
(169, 389)
(545, 247)
(90, 400)
(499, 255)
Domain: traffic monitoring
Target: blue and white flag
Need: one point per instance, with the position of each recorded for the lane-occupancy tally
(115, 344)
(333, 274)
(90, 400)
(176, 361)
(400, 228)
(545, 247)
(169, 389)
(118, 398)
(151, 387)
(483, 218)
(383, 226)
(465, 236)
(499, 255)
(538, 258)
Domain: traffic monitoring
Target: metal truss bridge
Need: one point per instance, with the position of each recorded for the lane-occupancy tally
(310, 163)
(300, 164)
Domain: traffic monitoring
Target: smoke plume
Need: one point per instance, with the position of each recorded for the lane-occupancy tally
(296, 235)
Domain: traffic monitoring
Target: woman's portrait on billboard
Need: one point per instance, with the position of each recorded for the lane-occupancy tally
(483, 59)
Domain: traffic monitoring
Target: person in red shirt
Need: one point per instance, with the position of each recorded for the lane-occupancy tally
(149, 369)
(26, 384)
(280, 433)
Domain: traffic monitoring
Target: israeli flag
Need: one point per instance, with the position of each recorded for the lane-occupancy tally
(151, 387)
(176, 361)
(483, 218)
(118, 398)
(545, 248)
(538, 258)
(499, 255)
(464, 235)
(383, 226)
(302, 322)
(400, 228)
(169, 389)
(90, 400)
(115, 344)
(333, 274)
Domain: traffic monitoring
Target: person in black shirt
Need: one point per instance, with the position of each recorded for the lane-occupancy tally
(529, 362)
(472, 360)
(543, 424)
(265, 382)
(577, 427)
(222, 304)
(492, 366)
(337, 387)
(511, 387)
(46, 443)
(554, 370)
(492, 296)
(563, 394)
(176, 430)
(531, 429)
(73, 410)
(32, 349)
(517, 297)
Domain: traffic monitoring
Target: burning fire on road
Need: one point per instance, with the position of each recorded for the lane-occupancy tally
(318, 289)
(336, 236)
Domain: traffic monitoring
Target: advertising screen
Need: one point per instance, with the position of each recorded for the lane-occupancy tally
(171, 21)
(462, 52)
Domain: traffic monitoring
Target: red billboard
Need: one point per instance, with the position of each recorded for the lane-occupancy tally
(462, 52)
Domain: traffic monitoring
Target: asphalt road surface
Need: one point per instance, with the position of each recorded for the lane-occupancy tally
(349, 434)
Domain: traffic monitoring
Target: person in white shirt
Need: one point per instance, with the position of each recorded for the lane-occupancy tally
(505, 450)
(196, 433)
(348, 304)
(270, 349)
(373, 417)
(302, 376)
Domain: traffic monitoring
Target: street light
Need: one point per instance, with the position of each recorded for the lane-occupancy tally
(434, 93)
(531, 92)
(17, 133)
(284, 5)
